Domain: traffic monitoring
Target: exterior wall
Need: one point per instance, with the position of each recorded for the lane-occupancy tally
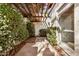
(41, 25)
(67, 25)
(66, 22)
(63, 23)
(38, 26)
(76, 25)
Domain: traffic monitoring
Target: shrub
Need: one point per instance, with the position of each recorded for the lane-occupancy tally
(31, 29)
(12, 27)
(51, 35)
(43, 32)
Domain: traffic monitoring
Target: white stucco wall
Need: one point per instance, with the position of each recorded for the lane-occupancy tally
(38, 26)
(41, 25)
(76, 28)
(66, 22)
(68, 25)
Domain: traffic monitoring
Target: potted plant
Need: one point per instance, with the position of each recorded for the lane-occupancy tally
(51, 35)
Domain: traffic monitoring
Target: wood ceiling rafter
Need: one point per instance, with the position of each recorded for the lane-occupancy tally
(40, 7)
(27, 5)
(33, 7)
(17, 8)
(38, 10)
(42, 11)
(37, 13)
(34, 11)
(25, 8)
(21, 7)
(30, 8)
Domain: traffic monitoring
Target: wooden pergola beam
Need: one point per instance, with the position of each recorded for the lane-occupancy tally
(25, 8)
(17, 6)
(32, 10)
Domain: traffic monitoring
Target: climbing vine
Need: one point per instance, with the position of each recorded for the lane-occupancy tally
(12, 27)
(31, 29)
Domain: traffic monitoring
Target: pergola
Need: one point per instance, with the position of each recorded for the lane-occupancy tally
(34, 11)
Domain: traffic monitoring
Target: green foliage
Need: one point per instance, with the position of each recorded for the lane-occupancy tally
(43, 32)
(51, 35)
(12, 27)
(31, 29)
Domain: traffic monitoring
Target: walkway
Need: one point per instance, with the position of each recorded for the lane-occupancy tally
(38, 46)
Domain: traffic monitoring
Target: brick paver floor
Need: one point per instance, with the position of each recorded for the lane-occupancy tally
(38, 46)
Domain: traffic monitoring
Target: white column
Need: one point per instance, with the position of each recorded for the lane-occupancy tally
(76, 28)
